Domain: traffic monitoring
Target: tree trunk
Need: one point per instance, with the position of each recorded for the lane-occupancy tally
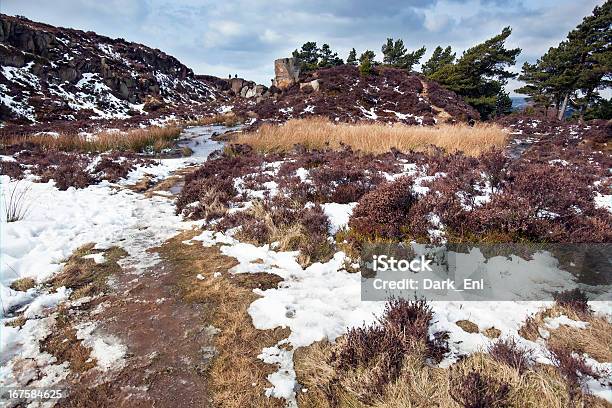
(563, 107)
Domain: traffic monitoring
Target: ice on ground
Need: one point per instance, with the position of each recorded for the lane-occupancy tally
(97, 258)
(106, 349)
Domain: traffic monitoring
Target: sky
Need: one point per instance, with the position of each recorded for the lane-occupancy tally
(244, 37)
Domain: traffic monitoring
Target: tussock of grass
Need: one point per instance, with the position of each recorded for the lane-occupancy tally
(319, 133)
(84, 275)
(23, 284)
(137, 140)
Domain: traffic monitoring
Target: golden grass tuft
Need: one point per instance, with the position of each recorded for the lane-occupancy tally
(137, 140)
(319, 133)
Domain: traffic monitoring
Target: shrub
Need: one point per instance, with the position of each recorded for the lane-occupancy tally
(572, 367)
(512, 354)
(286, 221)
(205, 198)
(383, 212)
(575, 300)
(477, 390)
(70, 174)
(381, 348)
(11, 169)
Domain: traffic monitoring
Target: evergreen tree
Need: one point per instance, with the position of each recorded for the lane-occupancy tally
(365, 64)
(440, 58)
(574, 71)
(480, 74)
(352, 57)
(395, 54)
(367, 55)
(503, 104)
(327, 58)
(308, 56)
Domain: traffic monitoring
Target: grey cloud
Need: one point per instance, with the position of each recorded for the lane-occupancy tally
(243, 36)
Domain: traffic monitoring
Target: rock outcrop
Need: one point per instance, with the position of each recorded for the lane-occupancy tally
(246, 89)
(286, 72)
(50, 73)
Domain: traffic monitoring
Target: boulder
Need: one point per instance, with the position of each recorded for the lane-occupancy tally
(286, 72)
(236, 85)
(314, 85)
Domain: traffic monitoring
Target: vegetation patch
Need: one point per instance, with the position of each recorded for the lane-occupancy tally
(23, 284)
(377, 138)
(86, 277)
(236, 375)
(63, 344)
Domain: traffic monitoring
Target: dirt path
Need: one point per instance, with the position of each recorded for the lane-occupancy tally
(440, 113)
(169, 345)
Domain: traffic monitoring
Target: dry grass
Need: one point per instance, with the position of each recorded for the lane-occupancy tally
(137, 140)
(236, 376)
(594, 340)
(478, 380)
(422, 385)
(84, 275)
(63, 344)
(23, 284)
(374, 138)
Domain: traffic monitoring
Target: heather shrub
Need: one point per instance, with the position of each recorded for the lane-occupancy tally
(574, 300)
(383, 212)
(512, 354)
(378, 351)
(115, 166)
(287, 222)
(572, 367)
(68, 174)
(11, 169)
(479, 390)
(205, 198)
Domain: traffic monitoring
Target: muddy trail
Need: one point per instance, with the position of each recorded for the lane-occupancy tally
(131, 333)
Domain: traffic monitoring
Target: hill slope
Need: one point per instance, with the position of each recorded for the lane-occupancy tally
(50, 74)
(342, 94)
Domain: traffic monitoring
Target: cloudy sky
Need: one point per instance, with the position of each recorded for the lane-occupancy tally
(245, 36)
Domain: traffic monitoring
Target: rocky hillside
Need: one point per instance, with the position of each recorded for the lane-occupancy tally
(342, 94)
(51, 74)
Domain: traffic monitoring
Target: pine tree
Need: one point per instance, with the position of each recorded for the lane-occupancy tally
(480, 74)
(367, 55)
(574, 71)
(440, 58)
(365, 65)
(308, 56)
(395, 54)
(352, 57)
(328, 58)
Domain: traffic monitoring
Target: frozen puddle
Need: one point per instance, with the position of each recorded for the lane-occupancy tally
(58, 223)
